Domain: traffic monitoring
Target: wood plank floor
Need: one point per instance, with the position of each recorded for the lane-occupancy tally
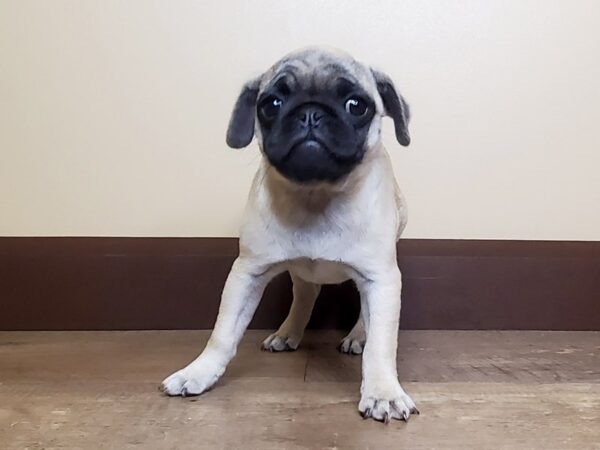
(475, 390)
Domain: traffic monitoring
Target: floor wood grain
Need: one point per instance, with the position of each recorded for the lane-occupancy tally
(475, 390)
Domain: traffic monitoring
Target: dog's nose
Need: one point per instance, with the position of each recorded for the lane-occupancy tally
(310, 116)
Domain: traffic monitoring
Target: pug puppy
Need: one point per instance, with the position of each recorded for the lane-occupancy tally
(324, 206)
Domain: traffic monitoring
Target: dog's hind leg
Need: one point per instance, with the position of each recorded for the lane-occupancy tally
(354, 342)
(290, 333)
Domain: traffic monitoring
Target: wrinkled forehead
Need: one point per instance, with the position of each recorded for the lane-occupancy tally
(318, 71)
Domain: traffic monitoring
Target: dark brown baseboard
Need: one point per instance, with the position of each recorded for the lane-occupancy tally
(175, 283)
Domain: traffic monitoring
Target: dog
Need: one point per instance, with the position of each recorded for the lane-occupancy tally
(324, 206)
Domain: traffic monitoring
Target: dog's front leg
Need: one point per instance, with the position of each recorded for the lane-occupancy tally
(382, 397)
(241, 295)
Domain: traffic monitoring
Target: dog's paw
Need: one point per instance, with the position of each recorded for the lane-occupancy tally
(351, 345)
(280, 343)
(387, 403)
(189, 381)
(354, 343)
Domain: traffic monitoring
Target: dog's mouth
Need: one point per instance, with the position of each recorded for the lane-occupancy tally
(313, 146)
(311, 157)
(309, 145)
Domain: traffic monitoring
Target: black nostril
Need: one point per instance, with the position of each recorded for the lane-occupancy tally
(310, 117)
(316, 117)
(304, 118)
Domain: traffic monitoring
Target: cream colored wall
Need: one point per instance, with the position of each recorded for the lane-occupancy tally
(113, 113)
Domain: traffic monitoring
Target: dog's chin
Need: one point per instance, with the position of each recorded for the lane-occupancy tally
(311, 161)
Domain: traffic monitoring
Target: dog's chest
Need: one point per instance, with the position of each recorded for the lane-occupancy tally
(320, 271)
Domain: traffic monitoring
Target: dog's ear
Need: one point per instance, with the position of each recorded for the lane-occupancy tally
(241, 125)
(394, 105)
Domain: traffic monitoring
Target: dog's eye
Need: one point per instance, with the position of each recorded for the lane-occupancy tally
(270, 106)
(356, 106)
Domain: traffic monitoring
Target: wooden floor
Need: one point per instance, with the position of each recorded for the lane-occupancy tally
(475, 390)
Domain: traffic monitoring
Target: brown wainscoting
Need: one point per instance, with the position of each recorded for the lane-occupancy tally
(175, 283)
